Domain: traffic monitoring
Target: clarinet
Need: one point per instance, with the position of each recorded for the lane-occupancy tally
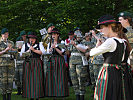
(27, 58)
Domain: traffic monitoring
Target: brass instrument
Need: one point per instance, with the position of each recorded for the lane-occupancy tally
(45, 41)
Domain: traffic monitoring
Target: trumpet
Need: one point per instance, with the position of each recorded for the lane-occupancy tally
(45, 41)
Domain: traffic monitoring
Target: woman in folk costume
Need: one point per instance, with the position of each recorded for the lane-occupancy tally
(56, 79)
(127, 74)
(33, 73)
(126, 19)
(109, 83)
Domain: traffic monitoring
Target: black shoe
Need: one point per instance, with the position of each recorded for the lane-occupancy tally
(8, 96)
(19, 91)
(4, 96)
(71, 84)
(81, 97)
(88, 84)
(77, 97)
(92, 95)
(54, 98)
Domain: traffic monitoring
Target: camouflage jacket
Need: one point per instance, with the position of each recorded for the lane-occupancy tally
(97, 59)
(90, 44)
(130, 35)
(75, 59)
(5, 59)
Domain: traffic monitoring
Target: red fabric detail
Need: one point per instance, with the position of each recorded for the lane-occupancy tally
(32, 36)
(105, 84)
(68, 41)
(66, 65)
(107, 21)
(101, 83)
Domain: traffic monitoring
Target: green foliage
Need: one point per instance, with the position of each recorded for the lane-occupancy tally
(18, 15)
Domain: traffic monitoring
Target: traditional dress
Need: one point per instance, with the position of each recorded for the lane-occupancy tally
(127, 76)
(33, 73)
(56, 79)
(109, 83)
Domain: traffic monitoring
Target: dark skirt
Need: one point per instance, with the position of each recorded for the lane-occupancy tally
(109, 85)
(33, 78)
(56, 78)
(128, 82)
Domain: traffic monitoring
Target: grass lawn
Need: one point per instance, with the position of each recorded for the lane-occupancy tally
(88, 96)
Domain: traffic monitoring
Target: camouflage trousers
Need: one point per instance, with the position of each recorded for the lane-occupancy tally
(78, 74)
(6, 79)
(18, 75)
(96, 68)
(92, 74)
(45, 64)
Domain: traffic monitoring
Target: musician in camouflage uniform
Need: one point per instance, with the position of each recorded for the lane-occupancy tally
(88, 42)
(127, 22)
(97, 61)
(46, 39)
(19, 62)
(23, 35)
(67, 55)
(6, 65)
(78, 67)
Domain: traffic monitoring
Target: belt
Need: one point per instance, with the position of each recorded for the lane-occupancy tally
(113, 65)
(123, 64)
(5, 55)
(76, 54)
(19, 61)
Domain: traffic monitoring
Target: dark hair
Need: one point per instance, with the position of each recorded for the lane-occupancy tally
(118, 28)
(36, 42)
(130, 20)
(123, 36)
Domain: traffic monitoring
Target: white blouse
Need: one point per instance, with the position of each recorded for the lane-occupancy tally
(48, 48)
(108, 46)
(40, 45)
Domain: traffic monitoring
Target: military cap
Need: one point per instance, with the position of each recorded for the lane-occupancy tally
(22, 33)
(49, 25)
(79, 34)
(125, 14)
(77, 28)
(19, 38)
(88, 34)
(4, 30)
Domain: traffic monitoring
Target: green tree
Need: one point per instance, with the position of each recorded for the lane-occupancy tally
(18, 15)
